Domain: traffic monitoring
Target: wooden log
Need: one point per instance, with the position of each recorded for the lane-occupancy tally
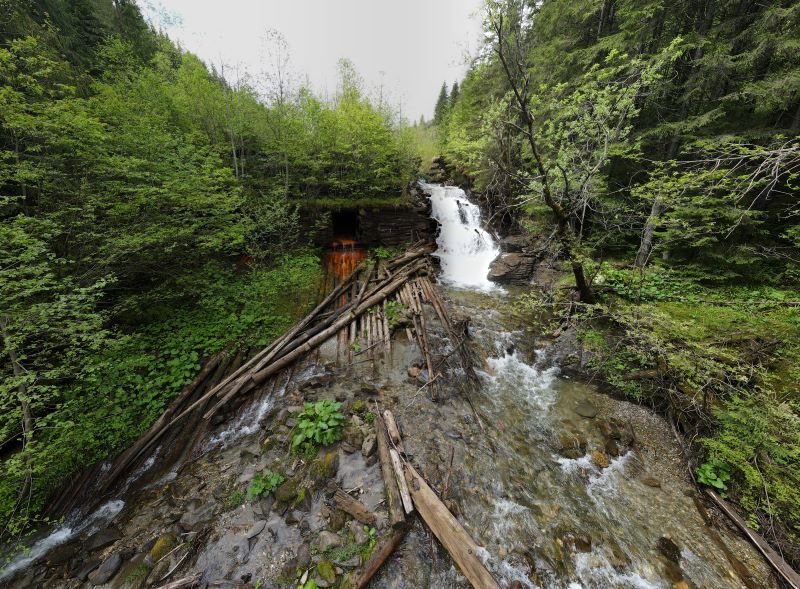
(397, 464)
(387, 334)
(185, 583)
(774, 559)
(342, 320)
(354, 507)
(393, 431)
(379, 556)
(266, 355)
(393, 500)
(449, 531)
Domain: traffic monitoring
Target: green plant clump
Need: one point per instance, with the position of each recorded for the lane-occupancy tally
(319, 424)
(264, 483)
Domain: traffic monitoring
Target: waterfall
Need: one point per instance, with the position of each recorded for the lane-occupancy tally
(465, 249)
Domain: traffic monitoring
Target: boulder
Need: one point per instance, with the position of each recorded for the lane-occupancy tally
(369, 446)
(197, 515)
(86, 569)
(512, 268)
(106, 570)
(103, 538)
(328, 540)
(515, 243)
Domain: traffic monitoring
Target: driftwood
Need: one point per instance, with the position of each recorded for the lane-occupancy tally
(393, 500)
(184, 583)
(379, 556)
(450, 533)
(781, 566)
(354, 507)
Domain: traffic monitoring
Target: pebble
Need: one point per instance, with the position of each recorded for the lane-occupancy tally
(586, 409)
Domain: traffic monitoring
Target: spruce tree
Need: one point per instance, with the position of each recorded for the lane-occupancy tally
(441, 105)
(454, 94)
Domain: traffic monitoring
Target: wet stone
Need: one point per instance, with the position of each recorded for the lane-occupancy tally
(197, 515)
(369, 446)
(102, 539)
(61, 554)
(83, 572)
(328, 540)
(600, 459)
(106, 570)
(651, 482)
(669, 549)
(586, 409)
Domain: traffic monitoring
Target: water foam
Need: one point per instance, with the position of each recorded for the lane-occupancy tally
(465, 248)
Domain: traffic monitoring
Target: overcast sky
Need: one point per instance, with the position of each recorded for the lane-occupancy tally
(410, 46)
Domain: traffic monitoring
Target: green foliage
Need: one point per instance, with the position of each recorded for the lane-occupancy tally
(714, 473)
(233, 500)
(395, 313)
(264, 483)
(319, 424)
(369, 417)
(382, 253)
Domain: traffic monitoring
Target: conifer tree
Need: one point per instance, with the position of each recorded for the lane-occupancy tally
(442, 104)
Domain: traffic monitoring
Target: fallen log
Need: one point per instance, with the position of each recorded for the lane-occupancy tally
(393, 431)
(397, 463)
(354, 507)
(450, 533)
(379, 556)
(774, 559)
(340, 321)
(185, 583)
(394, 502)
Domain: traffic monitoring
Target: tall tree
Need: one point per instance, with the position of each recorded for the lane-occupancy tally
(442, 104)
(454, 94)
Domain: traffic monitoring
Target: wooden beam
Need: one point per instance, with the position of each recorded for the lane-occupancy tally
(449, 531)
(354, 507)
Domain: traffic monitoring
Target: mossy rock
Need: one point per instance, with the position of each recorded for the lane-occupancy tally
(287, 492)
(337, 520)
(326, 571)
(165, 543)
(357, 406)
(324, 467)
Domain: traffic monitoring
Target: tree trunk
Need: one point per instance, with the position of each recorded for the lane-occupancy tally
(646, 245)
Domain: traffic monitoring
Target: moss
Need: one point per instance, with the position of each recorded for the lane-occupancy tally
(162, 547)
(287, 492)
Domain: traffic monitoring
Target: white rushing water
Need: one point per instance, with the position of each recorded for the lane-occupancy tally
(68, 530)
(465, 248)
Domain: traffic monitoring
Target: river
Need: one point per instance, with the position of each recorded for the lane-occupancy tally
(562, 486)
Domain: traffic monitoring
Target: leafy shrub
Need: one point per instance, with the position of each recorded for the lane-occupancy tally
(264, 483)
(395, 313)
(319, 424)
(382, 253)
(369, 417)
(714, 473)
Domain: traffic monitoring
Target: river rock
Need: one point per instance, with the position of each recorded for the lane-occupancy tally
(612, 448)
(572, 445)
(106, 570)
(369, 445)
(413, 371)
(256, 529)
(197, 515)
(512, 268)
(83, 572)
(586, 409)
(600, 459)
(61, 554)
(669, 549)
(326, 572)
(328, 540)
(651, 482)
(101, 539)
(357, 529)
(514, 243)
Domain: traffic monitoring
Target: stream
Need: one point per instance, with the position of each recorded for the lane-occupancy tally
(548, 520)
(562, 486)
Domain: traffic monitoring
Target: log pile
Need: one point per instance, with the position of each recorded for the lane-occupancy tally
(353, 314)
